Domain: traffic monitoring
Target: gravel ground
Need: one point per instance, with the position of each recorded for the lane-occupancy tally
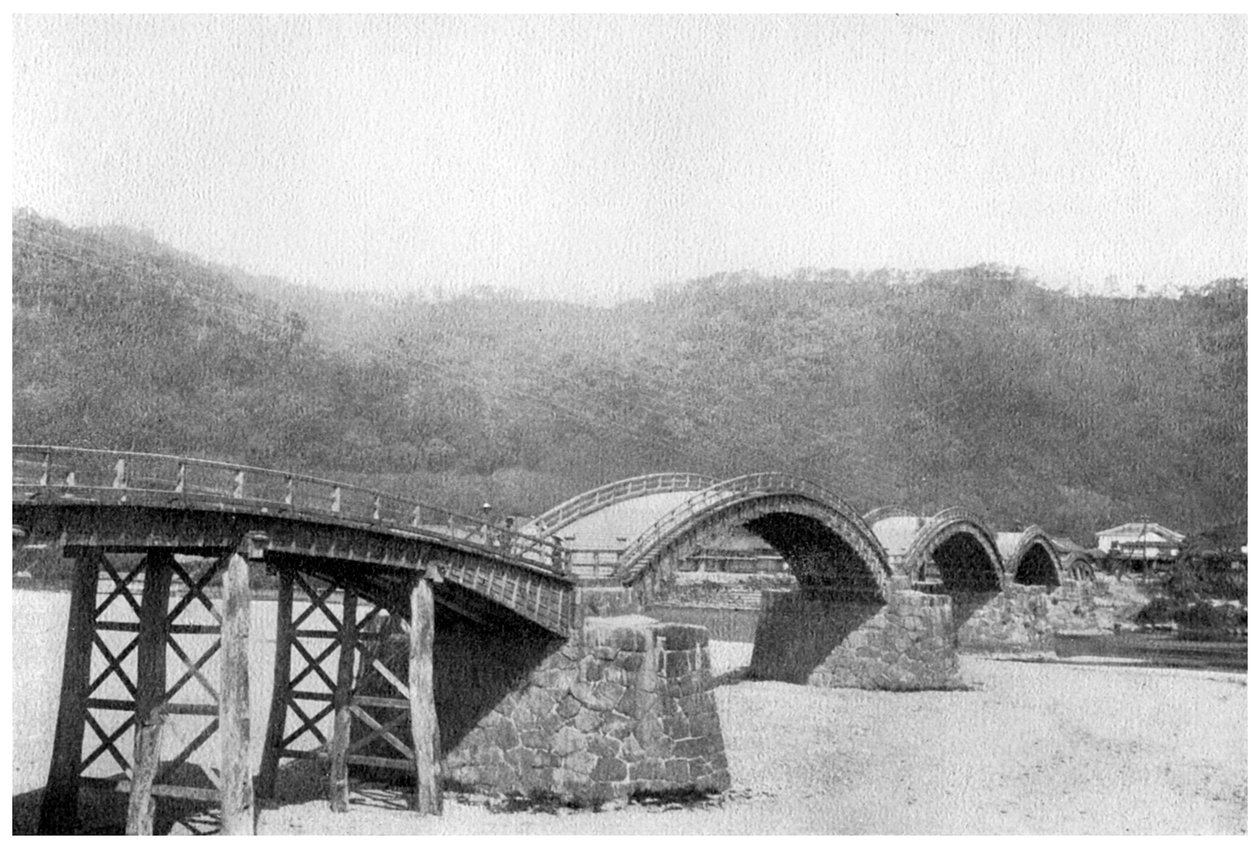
(1028, 748)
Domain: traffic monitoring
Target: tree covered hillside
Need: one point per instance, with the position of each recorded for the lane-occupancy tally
(973, 387)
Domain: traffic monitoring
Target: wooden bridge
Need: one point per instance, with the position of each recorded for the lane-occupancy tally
(173, 541)
(633, 532)
(199, 525)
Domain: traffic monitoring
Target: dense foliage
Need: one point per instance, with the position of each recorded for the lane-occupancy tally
(973, 387)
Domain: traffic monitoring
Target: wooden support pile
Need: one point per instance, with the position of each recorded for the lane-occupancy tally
(138, 670)
(365, 689)
(128, 634)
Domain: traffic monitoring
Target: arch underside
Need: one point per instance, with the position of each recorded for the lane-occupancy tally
(391, 590)
(824, 549)
(1036, 564)
(1031, 559)
(964, 555)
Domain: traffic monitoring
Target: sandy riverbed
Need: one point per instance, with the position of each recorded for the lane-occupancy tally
(1048, 748)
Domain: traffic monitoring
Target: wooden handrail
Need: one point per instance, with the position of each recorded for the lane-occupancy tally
(588, 502)
(94, 471)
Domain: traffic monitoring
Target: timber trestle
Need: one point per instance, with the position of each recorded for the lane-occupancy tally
(346, 653)
(128, 723)
(172, 540)
(157, 672)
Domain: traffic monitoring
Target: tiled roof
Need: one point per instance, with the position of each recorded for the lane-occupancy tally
(1136, 529)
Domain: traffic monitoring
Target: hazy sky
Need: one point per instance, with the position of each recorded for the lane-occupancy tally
(595, 157)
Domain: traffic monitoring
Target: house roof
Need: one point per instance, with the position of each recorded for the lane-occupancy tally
(1136, 529)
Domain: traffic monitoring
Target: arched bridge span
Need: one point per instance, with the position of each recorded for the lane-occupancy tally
(1029, 557)
(825, 542)
(367, 541)
(955, 542)
(1077, 565)
(580, 506)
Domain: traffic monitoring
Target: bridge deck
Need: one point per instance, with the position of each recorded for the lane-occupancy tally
(130, 501)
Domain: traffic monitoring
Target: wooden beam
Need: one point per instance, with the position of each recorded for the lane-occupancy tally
(456, 607)
(150, 689)
(59, 812)
(339, 772)
(236, 776)
(424, 727)
(140, 804)
(280, 688)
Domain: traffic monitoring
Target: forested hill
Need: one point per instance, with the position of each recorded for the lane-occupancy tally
(973, 387)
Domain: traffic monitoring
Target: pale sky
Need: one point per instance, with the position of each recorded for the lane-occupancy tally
(595, 158)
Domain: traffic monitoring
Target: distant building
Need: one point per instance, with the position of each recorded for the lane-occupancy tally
(1141, 541)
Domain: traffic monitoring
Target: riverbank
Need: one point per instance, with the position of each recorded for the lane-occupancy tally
(1045, 747)
(1029, 748)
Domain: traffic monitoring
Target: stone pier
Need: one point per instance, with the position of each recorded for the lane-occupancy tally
(623, 708)
(906, 644)
(1072, 608)
(1016, 619)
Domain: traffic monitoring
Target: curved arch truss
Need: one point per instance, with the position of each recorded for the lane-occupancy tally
(962, 549)
(1031, 558)
(826, 543)
(1077, 566)
(592, 501)
(886, 512)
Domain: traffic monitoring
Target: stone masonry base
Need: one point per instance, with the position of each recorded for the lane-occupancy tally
(907, 644)
(1013, 620)
(624, 707)
(1072, 608)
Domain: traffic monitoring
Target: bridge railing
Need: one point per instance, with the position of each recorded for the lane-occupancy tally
(596, 499)
(90, 474)
(952, 514)
(886, 512)
(733, 490)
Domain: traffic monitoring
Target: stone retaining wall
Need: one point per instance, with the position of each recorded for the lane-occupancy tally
(907, 644)
(1072, 608)
(626, 707)
(1013, 620)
